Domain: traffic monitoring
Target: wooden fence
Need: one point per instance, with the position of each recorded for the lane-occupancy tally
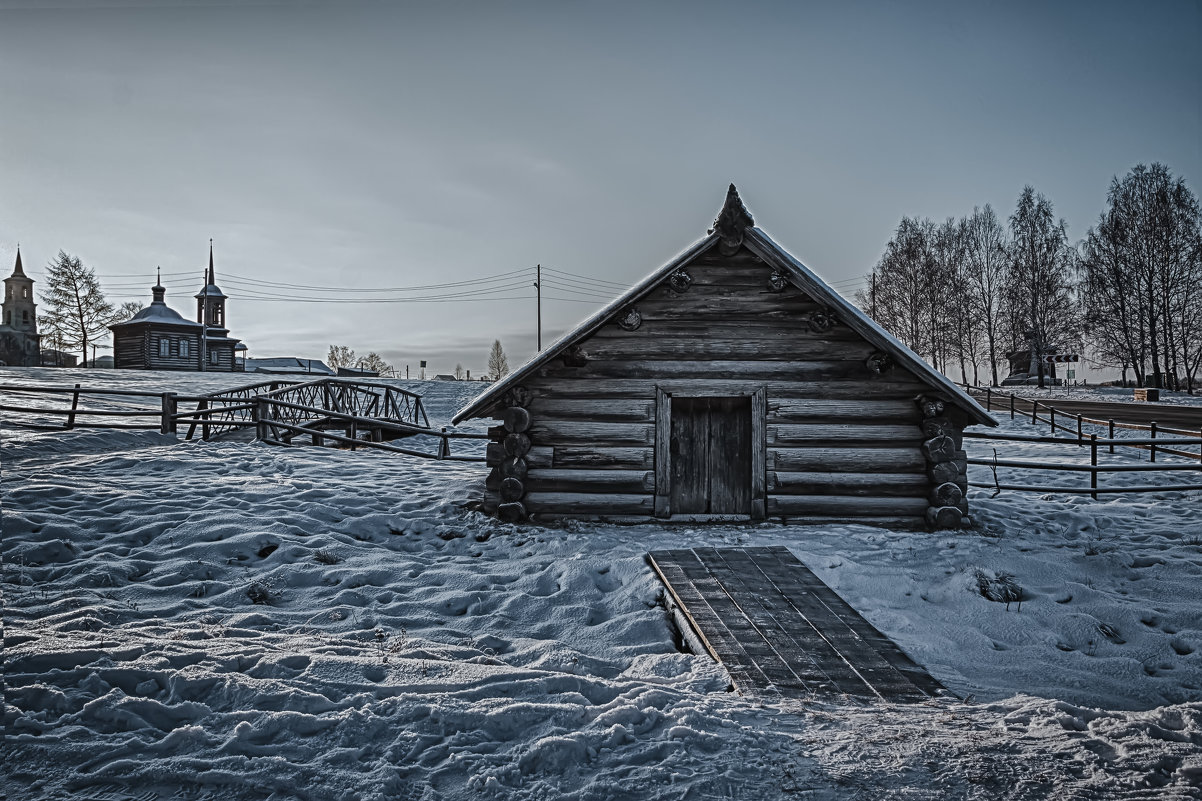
(1154, 443)
(368, 413)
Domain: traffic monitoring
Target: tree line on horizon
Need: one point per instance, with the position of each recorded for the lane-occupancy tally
(968, 291)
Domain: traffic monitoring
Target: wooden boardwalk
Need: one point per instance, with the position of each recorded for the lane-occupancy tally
(780, 632)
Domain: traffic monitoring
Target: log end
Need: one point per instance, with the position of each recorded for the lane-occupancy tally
(513, 512)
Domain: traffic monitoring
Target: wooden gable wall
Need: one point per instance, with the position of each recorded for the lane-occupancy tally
(838, 439)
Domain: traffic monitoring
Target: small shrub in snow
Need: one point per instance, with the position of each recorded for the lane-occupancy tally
(326, 557)
(386, 645)
(1000, 587)
(260, 592)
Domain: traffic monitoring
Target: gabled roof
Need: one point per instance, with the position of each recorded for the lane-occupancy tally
(735, 228)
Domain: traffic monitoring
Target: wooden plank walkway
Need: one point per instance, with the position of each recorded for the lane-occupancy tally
(780, 632)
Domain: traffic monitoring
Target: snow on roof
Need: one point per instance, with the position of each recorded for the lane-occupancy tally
(289, 364)
(802, 277)
(806, 280)
(210, 291)
(158, 312)
(586, 327)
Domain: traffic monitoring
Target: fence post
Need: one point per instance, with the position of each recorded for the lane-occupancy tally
(74, 405)
(1079, 431)
(444, 448)
(1111, 421)
(1093, 461)
(354, 434)
(1034, 409)
(1011, 407)
(1052, 419)
(169, 408)
(260, 414)
(988, 399)
(1152, 426)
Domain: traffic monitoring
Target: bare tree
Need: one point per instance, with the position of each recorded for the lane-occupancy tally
(373, 362)
(127, 310)
(458, 372)
(1040, 289)
(73, 304)
(1142, 265)
(498, 364)
(985, 272)
(340, 356)
(901, 297)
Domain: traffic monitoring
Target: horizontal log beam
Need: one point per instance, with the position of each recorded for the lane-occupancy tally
(568, 503)
(861, 484)
(567, 456)
(847, 460)
(591, 481)
(539, 456)
(900, 411)
(802, 434)
(844, 506)
(749, 369)
(548, 432)
(656, 345)
(601, 410)
(763, 330)
(733, 303)
(573, 387)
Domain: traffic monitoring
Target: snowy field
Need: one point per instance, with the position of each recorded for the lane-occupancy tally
(236, 621)
(1093, 393)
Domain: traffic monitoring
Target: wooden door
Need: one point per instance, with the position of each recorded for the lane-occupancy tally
(711, 456)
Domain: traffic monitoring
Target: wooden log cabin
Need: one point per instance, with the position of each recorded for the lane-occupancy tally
(160, 338)
(730, 384)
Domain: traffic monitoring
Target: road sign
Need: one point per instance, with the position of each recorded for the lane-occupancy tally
(1054, 358)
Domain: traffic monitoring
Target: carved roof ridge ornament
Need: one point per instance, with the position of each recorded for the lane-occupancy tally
(732, 221)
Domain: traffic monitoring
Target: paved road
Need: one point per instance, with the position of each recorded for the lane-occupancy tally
(1167, 415)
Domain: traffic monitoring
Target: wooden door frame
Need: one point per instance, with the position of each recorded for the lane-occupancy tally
(663, 447)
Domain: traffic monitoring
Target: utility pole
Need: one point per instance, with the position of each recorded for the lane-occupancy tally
(538, 285)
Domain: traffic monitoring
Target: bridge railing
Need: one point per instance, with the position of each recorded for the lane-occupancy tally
(279, 421)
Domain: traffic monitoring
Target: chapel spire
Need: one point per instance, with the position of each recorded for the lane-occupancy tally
(18, 270)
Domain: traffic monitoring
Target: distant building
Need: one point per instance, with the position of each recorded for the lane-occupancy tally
(445, 377)
(289, 365)
(357, 372)
(19, 337)
(160, 338)
(59, 358)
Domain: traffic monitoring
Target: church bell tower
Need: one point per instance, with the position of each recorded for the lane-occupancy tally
(20, 311)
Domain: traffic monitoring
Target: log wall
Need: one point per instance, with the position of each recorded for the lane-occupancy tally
(840, 437)
(140, 350)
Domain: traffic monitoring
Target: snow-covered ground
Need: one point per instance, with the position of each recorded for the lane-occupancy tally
(1095, 393)
(203, 620)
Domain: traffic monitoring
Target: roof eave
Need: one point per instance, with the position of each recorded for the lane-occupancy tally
(763, 246)
(585, 328)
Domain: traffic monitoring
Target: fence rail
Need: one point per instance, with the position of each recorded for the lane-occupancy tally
(1005, 401)
(277, 411)
(1153, 444)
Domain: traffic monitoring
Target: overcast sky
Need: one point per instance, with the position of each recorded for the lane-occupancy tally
(370, 144)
